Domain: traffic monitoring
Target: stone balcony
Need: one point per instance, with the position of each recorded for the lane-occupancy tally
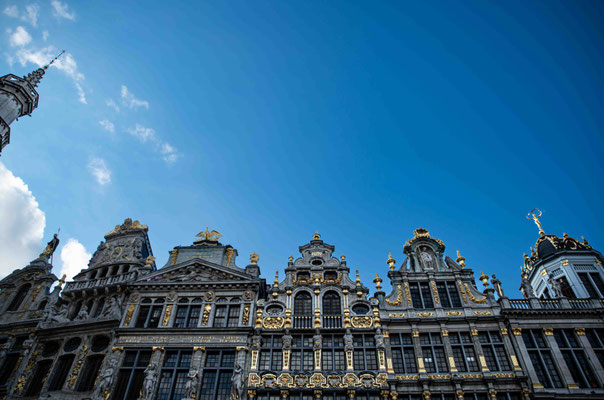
(91, 284)
(550, 304)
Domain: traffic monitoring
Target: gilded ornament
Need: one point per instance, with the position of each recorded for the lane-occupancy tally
(482, 312)
(208, 235)
(126, 226)
(254, 257)
(173, 256)
(316, 235)
(580, 331)
(463, 292)
(285, 380)
(453, 313)
(349, 380)
(474, 332)
(399, 297)
(461, 260)
(246, 314)
(408, 294)
(425, 314)
(209, 296)
(517, 331)
(407, 377)
(167, 315)
(472, 297)
(548, 331)
(471, 376)
(396, 315)
(206, 314)
(317, 380)
(504, 375)
(440, 376)
(390, 261)
(149, 261)
(129, 313)
(435, 293)
(363, 322)
(273, 322)
(78, 365)
(229, 255)
(504, 331)
(444, 332)
(535, 214)
(484, 279)
(415, 333)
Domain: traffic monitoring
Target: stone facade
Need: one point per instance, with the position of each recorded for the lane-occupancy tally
(202, 328)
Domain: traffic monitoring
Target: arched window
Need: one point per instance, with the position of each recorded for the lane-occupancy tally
(303, 304)
(42, 305)
(331, 304)
(19, 297)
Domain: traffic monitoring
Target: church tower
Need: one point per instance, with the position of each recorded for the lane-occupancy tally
(18, 97)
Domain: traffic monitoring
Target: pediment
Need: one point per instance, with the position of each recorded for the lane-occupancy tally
(196, 271)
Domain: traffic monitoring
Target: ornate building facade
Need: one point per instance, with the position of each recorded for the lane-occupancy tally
(202, 327)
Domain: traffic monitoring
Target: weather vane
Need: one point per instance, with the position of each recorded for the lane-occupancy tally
(535, 214)
(54, 59)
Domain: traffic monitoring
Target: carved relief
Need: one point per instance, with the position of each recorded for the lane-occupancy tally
(399, 297)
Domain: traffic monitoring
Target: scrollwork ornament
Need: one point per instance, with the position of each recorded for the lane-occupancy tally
(399, 297)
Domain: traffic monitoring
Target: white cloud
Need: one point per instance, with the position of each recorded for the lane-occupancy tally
(31, 14)
(65, 63)
(22, 226)
(74, 258)
(110, 103)
(99, 170)
(142, 133)
(169, 153)
(11, 11)
(107, 125)
(129, 100)
(45, 35)
(20, 37)
(61, 10)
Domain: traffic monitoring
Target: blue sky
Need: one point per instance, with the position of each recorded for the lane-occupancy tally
(269, 120)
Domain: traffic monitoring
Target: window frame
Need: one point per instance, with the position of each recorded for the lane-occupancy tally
(178, 371)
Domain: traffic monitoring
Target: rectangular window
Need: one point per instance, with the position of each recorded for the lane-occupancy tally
(597, 280)
(149, 316)
(131, 375)
(220, 316)
(173, 374)
(463, 352)
(494, 351)
(403, 353)
(217, 373)
(433, 352)
(421, 295)
(541, 358)
(181, 316)
(332, 356)
(233, 320)
(271, 356)
(365, 353)
(575, 359)
(302, 356)
(448, 295)
(589, 286)
(596, 339)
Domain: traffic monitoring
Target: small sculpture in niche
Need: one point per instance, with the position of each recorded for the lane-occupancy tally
(427, 257)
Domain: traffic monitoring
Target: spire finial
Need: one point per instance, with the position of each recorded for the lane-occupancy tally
(461, 260)
(53, 60)
(390, 261)
(378, 282)
(534, 214)
(316, 235)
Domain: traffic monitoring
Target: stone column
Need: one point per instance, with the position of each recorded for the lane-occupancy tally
(524, 355)
(448, 349)
(510, 349)
(590, 352)
(478, 347)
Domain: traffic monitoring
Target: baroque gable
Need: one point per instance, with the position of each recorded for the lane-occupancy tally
(196, 271)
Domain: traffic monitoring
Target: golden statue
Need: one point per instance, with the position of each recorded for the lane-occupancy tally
(207, 235)
(533, 215)
(254, 257)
